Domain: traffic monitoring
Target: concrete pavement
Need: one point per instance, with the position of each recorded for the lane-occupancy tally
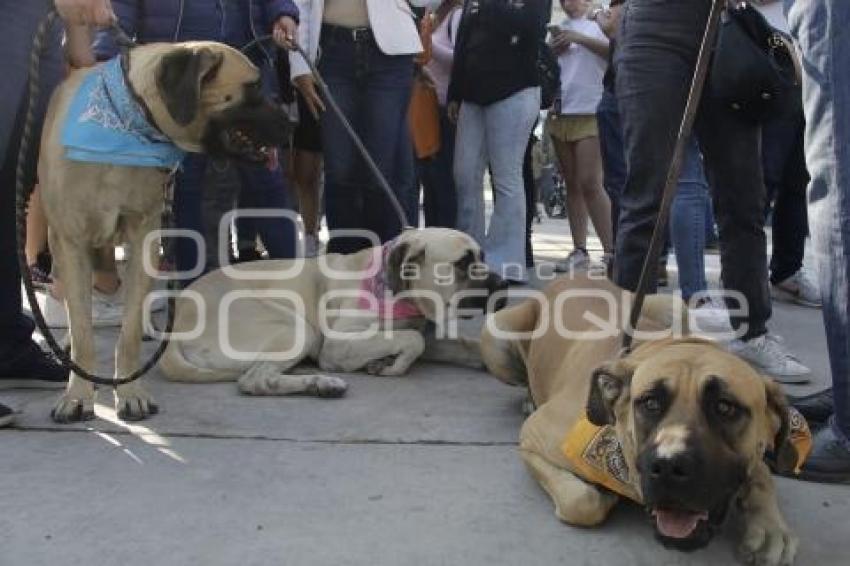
(420, 470)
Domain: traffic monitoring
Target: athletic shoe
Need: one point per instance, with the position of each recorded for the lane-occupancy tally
(32, 368)
(798, 289)
(817, 407)
(711, 317)
(767, 354)
(104, 312)
(829, 460)
(576, 260)
(7, 416)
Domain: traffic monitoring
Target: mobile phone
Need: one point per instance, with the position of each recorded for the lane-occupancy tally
(554, 29)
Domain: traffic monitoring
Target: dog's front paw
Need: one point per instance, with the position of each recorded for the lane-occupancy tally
(132, 403)
(329, 387)
(767, 542)
(73, 408)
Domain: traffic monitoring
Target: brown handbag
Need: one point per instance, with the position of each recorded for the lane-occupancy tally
(424, 118)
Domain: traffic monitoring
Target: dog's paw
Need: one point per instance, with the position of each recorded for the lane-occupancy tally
(329, 387)
(132, 403)
(767, 543)
(379, 366)
(71, 408)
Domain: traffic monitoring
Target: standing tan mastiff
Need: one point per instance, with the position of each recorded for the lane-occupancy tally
(198, 97)
(678, 425)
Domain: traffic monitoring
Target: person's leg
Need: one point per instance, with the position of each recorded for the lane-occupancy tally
(687, 223)
(386, 135)
(528, 187)
(470, 161)
(266, 190)
(611, 149)
(818, 28)
(437, 174)
(654, 61)
(19, 356)
(36, 228)
(576, 208)
(188, 206)
(588, 178)
(306, 173)
(508, 125)
(344, 185)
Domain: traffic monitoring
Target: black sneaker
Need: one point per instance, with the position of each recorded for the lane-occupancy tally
(32, 369)
(829, 461)
(7, 416)
(817, 407)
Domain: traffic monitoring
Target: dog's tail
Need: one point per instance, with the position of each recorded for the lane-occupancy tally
(176, 367)
(503, 349)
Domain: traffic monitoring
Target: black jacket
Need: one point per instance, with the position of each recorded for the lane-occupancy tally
(496, 49)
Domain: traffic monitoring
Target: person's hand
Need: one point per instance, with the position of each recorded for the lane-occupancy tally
(285, 32)
(306, 85)
(453, 110)
(559, 42)
(86, 12)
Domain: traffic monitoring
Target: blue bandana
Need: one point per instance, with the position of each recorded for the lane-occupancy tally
(105, 124)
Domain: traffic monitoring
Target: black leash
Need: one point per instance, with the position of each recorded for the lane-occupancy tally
(660, 232)
(22, 197)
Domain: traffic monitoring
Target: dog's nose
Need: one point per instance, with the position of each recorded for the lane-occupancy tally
(676, 469)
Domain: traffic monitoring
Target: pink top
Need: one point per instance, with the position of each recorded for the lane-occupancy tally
(443, 52)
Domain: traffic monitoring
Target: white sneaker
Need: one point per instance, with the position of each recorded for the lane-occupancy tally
(577, 259)
(767, 354)
(798, 289)
(710, 318)
(104, 313)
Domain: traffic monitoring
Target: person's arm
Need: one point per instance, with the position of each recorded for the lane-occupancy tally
(598, 45)
(458, 66)
(444, 52)
(127, 15)
(79, 17)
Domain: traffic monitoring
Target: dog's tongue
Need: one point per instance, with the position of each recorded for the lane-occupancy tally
(677, 524)
(272, 160)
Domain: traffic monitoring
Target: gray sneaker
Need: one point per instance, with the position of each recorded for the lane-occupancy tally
(105, 313)
(798, 289)
(7, 416)
(576, 260)
(768, 354)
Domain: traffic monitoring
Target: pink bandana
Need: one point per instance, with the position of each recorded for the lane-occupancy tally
(374, 286)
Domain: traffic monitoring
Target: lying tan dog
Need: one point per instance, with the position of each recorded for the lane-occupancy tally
(364, 311)
(678, 425)
(162, 98)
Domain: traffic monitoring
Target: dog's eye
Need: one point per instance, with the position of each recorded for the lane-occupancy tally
(725, 409)
(651, 404)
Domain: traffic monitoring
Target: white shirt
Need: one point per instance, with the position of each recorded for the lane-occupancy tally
(582, 70)
(775, 16)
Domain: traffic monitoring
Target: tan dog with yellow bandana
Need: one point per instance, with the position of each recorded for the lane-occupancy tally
(678, 425)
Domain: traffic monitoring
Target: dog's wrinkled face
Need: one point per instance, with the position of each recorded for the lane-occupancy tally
(209, 99)
(443, 272)
(694, 421)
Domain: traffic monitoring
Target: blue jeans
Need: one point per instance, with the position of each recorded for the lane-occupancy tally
(438, 183)
(687, 222)
(260, 188)
(613, 155)
(497, 135)
(373, 91)
(17, 28)
(819, 29)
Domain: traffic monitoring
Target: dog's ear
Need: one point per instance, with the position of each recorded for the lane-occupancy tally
(179, 78)
(779, 428)
(609, 384)
(403, 265)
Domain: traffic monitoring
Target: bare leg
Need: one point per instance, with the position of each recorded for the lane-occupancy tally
(77, 403)
(36, 227)
(588, 178)
(576, 207)
(306, 167)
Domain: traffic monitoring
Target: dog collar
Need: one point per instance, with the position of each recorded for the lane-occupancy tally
(375, 294)
(107, 124)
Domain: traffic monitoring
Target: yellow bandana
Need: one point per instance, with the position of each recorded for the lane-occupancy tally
(597, 457)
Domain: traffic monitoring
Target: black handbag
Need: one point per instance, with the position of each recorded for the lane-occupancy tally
(755, 66)
(549, 73)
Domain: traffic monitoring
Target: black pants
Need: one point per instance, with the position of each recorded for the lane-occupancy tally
(786, 178)
(655, 63)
